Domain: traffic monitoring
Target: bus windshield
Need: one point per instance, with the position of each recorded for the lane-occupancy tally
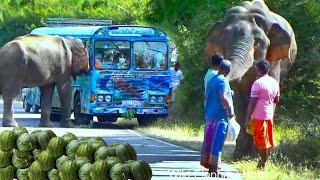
(112, 55)
(150, 55)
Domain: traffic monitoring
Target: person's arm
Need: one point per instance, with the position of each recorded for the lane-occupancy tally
(251, 106)
(225, 102)
(276, 100)
(254, 95)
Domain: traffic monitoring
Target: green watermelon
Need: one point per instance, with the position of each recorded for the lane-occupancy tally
(72, 147)
(121, 172)
(35, 172)
(141, 170)
(26, 142)
(69, 170)
(20, 130)
(22, 174)
(126, 152)
(36, 153)
(43, 138)
(57, 146)
(7, 173)
(84, 172)
(80, 161)
(104, 152)
(100, 170)
(22, 163)
(61, 160)
(5, 158)
(46, 160)
(69, 137)
(21, 154)
(113, 161)
(85, 150)
(8, 140)
(54, 174)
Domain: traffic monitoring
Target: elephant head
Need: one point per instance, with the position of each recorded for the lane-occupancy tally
(80, 57)
(248, 33)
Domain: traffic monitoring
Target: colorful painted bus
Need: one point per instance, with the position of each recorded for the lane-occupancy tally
(129, 71)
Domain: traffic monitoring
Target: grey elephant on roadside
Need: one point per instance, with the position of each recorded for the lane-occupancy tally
(248, 33)
(44, 61)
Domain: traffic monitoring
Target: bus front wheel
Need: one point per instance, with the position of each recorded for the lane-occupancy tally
(26, 105)
(80, 118)
(107, 118)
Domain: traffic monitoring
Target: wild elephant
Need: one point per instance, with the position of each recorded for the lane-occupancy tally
(251, 32)
(44, 61)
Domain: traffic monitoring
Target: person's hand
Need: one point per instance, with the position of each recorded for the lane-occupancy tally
(247, 124)
(231, 115)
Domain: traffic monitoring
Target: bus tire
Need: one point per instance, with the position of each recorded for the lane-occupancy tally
(80, 118)
(145, 120)
(55, 117)
(27, 106)
(35, 108)
(105, 118)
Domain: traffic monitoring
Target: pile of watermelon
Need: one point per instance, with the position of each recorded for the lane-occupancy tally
(43, 155)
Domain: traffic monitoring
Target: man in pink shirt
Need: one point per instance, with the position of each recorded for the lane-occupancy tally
(264, 95)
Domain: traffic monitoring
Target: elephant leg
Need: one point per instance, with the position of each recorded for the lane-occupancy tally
(46, 103)
(8, 120)
(64, 91)
(244, 142)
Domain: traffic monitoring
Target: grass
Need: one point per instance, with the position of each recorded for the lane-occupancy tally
(191, 137)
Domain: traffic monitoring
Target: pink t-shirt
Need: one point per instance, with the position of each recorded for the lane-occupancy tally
(266, 89)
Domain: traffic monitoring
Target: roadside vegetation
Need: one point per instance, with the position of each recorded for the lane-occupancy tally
(297, 155)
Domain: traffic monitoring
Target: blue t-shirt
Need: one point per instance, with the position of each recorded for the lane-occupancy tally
(213, 107)
(209, 75)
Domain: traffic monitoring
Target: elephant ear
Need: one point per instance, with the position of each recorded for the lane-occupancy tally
(213, 40)
(280, 42)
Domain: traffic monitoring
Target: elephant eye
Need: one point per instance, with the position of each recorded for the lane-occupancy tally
(259, 41)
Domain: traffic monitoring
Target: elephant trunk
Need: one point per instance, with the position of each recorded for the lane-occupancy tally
(241, 56)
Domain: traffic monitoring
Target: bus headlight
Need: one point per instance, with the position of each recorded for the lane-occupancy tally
(108, 98)
(153, 99)
(160, 99)
(100, 98)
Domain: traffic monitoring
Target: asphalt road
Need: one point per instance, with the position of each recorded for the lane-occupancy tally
(168, 161)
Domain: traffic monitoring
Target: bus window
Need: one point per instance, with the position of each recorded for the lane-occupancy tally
(150, 55)
(112, 55)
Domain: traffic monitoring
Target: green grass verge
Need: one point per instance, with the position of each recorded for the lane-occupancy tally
(190, 137)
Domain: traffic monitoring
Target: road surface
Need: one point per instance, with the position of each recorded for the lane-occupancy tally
(167, 161)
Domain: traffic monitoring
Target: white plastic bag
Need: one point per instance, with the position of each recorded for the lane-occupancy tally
(233, 130)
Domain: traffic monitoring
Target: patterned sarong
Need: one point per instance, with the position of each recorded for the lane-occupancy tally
(214, 138)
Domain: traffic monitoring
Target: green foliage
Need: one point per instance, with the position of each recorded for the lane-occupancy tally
(19, 17)
(130, 114)
(301, 89)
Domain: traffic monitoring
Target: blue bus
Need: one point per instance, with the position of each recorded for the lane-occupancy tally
(129, 71)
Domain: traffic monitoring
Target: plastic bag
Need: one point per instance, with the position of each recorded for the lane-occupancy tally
(233, 130)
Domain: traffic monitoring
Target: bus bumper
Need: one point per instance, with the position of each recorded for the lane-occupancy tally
(160, 111)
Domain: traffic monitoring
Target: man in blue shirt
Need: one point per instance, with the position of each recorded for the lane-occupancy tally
(215, 62)
(218, 110)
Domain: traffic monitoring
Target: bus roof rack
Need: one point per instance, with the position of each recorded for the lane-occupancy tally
(54, 22)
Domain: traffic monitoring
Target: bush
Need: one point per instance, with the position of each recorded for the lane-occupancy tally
(304, 152)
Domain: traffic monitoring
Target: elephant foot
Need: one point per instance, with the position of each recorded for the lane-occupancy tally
(46, 124)
(65, 124)
(9, 123)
